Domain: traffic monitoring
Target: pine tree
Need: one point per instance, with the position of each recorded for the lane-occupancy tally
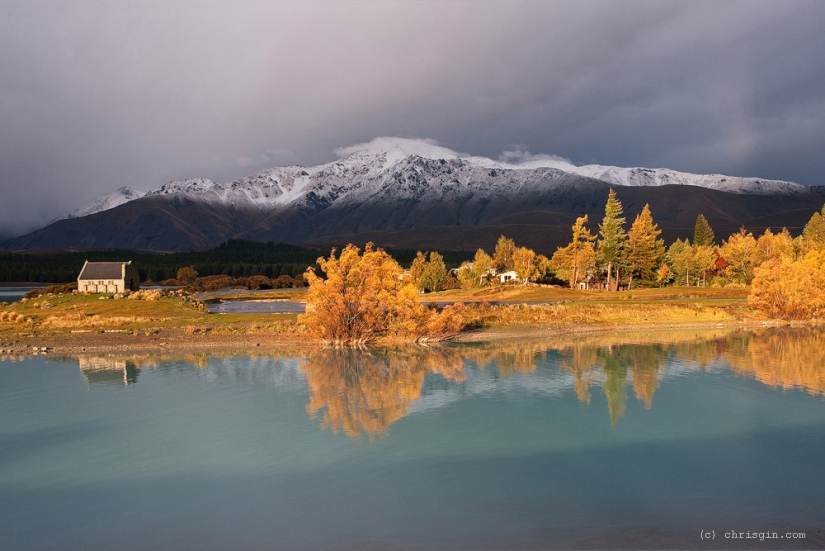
(646, 251)
(703, 235)
(612, 246)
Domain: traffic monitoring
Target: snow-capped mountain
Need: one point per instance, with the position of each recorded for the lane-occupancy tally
(404, 193)
(370, 167)
(106, 202)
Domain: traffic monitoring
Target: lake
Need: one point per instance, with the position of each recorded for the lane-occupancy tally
(600, 441)
(13, 294)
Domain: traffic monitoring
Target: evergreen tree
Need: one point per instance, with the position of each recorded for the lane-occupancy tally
(646, 251)
(612, 246)
(702, 233)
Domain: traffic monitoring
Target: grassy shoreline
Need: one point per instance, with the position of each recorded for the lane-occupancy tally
(68, 323)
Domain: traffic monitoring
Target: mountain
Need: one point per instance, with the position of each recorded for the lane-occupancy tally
(105, 202)
(407, 193)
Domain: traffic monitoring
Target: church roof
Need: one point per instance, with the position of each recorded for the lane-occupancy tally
(102, 270)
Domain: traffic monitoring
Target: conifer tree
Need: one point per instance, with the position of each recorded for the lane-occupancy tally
(612, 245)
(703, 235)
(646, 251)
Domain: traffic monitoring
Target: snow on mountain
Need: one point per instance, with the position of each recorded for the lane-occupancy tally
(106, 202)
(398, 168)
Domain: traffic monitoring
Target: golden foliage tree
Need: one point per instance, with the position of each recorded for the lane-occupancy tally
(646, 249)
(740, 252)
(814, 231)
(790, 290)
(525, 263)
(503, 255)
(363, 299)
(578, 257)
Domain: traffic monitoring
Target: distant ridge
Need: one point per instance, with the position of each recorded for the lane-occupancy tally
(414, 193)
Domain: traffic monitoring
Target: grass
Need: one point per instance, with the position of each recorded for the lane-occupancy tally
(64, 314)
(88, 313)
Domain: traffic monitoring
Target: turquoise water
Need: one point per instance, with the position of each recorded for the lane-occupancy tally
(529, 445)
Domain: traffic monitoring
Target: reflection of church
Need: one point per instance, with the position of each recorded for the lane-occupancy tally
(108, 371)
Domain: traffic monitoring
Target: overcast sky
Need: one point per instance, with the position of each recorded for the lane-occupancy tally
(99, 95)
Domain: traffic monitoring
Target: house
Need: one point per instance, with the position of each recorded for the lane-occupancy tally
(108, 277)
(504, 277)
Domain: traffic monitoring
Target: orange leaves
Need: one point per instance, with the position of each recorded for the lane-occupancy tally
(790, 290)
(363, 298)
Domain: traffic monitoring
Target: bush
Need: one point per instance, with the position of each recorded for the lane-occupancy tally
(53, 289)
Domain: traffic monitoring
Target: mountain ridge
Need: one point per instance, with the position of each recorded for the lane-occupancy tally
(396, 187)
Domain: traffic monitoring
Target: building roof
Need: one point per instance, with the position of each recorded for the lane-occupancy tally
(102, 270)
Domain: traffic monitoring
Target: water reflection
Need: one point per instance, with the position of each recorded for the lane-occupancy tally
(364, 391)
(108, 370)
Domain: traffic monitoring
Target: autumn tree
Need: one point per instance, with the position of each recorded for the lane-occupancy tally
(434, 275)
(525, 264)
(363, 299)
(775, 245)
(187, 275)
(679, 258)
(703, 261)
(814, 231)
(482, 263)
(578, 257)
(503, 255)
(417, 268)
(612, 244)
(741, 255)
(790, 290)
(703, 235)
(646, 250)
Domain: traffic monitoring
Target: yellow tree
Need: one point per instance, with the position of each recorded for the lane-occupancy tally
(363, 299)
(775, 245)
(525, 264)
(740, 253)
(790, 290)
(578, 257)
(814, 231)
(503, 255)
(417, 267)
(646, 250)
(482, 263)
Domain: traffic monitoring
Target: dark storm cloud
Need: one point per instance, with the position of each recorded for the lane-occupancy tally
(98, 95)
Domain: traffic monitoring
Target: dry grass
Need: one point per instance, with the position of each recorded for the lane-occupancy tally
(530, 293)
(589, 315)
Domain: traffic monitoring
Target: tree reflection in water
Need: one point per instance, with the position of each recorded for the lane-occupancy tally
(366, 390)
(357, 391)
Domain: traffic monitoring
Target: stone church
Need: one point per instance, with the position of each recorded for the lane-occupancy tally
(108, 277)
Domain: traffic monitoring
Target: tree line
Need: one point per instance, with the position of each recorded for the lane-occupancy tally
(235, 259)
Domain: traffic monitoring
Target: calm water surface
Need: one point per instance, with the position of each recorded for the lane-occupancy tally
(592, 442)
